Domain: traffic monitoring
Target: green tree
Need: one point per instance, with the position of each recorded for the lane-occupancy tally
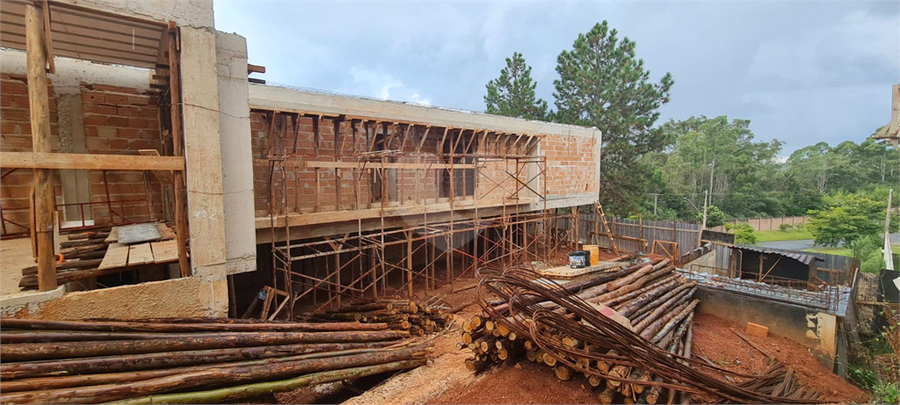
(714, 216)
(848, 218)
(602, 84)
(512, 94)
(722, 156)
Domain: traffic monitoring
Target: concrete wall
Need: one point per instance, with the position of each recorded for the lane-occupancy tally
(183, 297)
(816, 330)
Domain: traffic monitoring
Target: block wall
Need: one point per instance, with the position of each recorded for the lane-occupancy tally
(571, 164)
(121, 121)
(299, 188)
(15, 136)
(116, 120)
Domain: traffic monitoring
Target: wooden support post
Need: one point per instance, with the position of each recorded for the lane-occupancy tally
(181, 226)
(409, 264)
(44, 201)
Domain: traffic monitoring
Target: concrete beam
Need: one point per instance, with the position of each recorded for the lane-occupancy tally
(194, 13)
(70, 73)
(284, 99)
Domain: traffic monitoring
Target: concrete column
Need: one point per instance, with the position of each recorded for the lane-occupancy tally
(203, 159)
(76, 187)
(237, 167)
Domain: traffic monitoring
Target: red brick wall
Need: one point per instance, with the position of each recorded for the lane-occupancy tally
(119, 120)
(571, 165)
(116, 121)
(15, 136)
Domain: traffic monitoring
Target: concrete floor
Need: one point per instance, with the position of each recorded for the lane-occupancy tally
(15, 255)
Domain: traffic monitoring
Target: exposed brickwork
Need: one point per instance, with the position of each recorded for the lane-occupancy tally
(117, 120)
(15, 136)
(120, 120)
(571, 165)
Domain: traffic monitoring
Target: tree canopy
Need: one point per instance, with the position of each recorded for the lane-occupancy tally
(848, 218)
(603, 84)
(512, 94)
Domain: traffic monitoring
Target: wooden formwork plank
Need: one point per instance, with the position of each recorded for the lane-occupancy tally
(116, 256)
(140, 254)
(165, 251)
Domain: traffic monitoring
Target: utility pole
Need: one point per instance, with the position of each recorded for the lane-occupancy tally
(712, 170)
(888, 254)
(655, 201)
(705, 206)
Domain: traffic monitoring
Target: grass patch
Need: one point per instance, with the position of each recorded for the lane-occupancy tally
(791, 234)
(831, 251)
(843, 251)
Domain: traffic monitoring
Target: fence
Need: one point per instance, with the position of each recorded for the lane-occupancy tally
(636, 235)
(766, 224)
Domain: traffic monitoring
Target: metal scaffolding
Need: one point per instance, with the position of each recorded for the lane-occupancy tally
(472, 170)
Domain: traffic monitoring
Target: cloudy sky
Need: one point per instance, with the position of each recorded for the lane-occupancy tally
(802, 72)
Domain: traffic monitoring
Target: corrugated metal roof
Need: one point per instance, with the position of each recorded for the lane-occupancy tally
(800, 257)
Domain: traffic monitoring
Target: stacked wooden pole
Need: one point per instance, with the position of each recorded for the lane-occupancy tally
(82, 255)
(628, 334)
(416, 317)
(189, 360)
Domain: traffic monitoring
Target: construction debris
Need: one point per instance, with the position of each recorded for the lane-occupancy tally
(189, 360)
(627, 331)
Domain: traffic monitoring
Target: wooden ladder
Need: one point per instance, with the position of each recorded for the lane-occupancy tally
(612, 241)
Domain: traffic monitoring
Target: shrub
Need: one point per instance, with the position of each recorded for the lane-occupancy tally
(743, 232)
(785, 227)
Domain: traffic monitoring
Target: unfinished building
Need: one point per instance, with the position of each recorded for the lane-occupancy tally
(149, 115)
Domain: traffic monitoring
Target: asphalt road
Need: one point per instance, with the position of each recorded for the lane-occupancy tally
(807, 243)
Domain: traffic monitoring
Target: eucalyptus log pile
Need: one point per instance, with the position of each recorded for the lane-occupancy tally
(627, 331)
(416, 317)
(82, 255)
(192, 360)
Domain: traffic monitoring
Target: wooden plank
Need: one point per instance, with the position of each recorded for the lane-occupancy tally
(165, 251)
(165, 233)
(138, 233)
(35, 160)
(754, 329)
(116, 256)
(164, 177)
(566, 272)
(113, 236)
(140, 254)
(255, 68)
(175, 109)
(372, 165)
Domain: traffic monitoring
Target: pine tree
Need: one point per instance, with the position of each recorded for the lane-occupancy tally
(603, 85)
(512, 94)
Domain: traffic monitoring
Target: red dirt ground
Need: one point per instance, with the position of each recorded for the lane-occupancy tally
(525, 382)
(713, 338)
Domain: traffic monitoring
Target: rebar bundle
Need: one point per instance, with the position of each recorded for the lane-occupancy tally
(628, 335)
